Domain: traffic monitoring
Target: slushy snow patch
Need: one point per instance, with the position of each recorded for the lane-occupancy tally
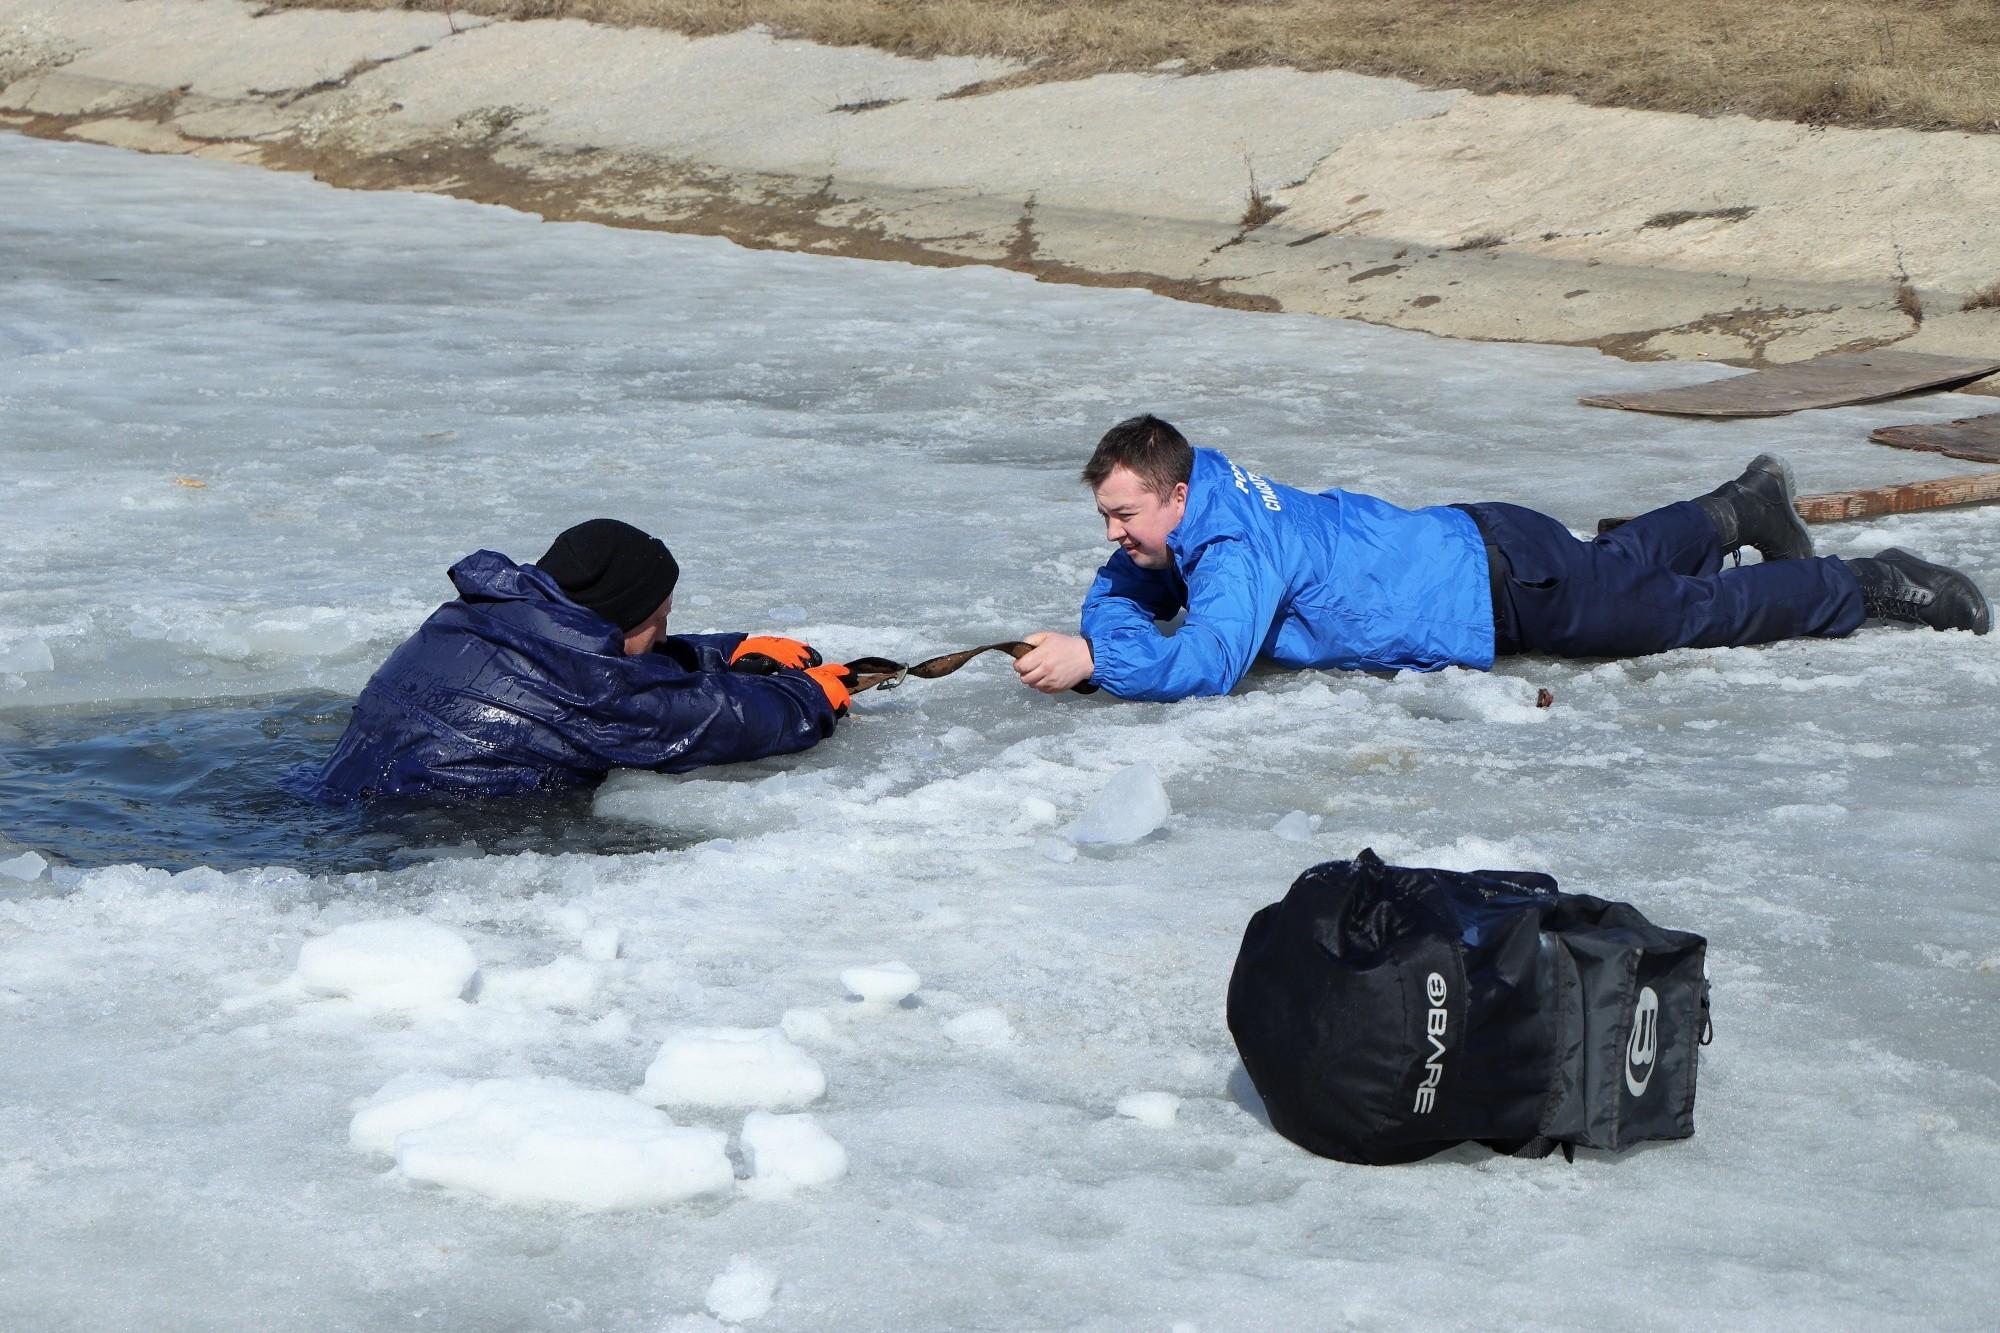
(28, 865)
(1131, 805)
(742, 1291)
(600, 943)
(1157, 1109)
(541, 1141)
(787, 1153)
(396, 964)
(732, 1067)
(806, 1025)
(883, 983)
(980, 1027)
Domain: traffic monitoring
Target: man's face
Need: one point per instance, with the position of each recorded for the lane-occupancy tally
(648, 631)
(1139, 520)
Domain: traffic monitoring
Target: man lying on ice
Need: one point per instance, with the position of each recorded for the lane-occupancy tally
(549, 675)
(1345, 580)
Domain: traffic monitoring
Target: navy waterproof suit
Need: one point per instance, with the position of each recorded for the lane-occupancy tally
(515, 688)
(1339, 579)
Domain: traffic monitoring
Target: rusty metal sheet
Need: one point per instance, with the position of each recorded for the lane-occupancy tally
(1973, 438)
(1827, 381)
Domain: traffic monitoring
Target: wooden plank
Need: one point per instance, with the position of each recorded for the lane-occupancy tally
(1827, 381)
(1907, 498)
(1976, 439)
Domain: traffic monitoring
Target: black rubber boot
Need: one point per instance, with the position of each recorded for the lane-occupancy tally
(1896, 585)
(1756, 510)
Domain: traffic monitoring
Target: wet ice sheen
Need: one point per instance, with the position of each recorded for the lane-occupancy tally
(883, 459)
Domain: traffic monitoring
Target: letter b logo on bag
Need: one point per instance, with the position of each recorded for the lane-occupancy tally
(1645, 1042)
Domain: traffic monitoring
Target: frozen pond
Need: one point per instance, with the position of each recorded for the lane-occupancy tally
(247, 421)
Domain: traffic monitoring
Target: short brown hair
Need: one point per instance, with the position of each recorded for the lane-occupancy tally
(1150, 448)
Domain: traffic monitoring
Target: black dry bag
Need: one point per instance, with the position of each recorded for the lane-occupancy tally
(1386, 1013)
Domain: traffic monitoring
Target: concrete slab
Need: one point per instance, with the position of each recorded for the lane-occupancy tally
(1648, 235)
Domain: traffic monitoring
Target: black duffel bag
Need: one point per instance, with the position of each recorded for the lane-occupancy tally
(1386, 1013)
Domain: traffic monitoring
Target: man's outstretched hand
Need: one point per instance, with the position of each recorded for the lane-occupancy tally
(1059, 662)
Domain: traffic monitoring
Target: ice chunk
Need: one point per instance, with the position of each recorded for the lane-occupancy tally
(882, 983)
(541, 1141)
(1295, 827)
(980, 1027)
(787, 1153)
(1057, 850)
(393, 964)
(25, 656)
(1157, 1109)
(732, 1067)
(1132, 804)
(742, 1291)
(28, 865)
(600, 943)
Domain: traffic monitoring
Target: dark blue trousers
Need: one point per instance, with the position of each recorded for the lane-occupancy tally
(1649, 585)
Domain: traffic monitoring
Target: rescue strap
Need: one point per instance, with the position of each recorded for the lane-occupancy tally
(879, 673)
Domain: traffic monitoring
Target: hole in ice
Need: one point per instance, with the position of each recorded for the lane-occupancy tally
(177, 784)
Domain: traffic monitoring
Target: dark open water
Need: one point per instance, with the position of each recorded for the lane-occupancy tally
(183, 784)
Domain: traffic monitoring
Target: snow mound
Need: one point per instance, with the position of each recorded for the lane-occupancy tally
(1157, 1109)
(394, 964)
(742, 1291)
(531, 1141)
(1131, 805)
(787, 1153)
(882, 983)
(732, 1067)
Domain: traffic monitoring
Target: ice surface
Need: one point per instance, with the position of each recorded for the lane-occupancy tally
(742, 1291)
(895, 451)
(881, 983)
(787, 1153)
(395, 964)
(28, 865)
(1131, 805)
(732, 1067)
(529, 1141)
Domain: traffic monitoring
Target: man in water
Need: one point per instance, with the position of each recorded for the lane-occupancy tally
(1340, 579)
(549, 675)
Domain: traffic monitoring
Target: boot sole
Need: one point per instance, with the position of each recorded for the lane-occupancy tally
(1774, 464)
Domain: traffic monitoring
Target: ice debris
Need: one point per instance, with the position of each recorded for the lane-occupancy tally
(540, 1141)
(787, 1153)
(732, 1067)
(1131, 805)
(1157, 1109)
(395, 964)
(742, 1291)
(882, 983)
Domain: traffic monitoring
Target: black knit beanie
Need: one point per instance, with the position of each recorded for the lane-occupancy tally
(614, 569)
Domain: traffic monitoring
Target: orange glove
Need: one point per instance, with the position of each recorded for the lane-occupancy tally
(833, 678)
(765, 654)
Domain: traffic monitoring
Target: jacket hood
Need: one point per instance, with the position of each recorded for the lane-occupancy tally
(489, 576)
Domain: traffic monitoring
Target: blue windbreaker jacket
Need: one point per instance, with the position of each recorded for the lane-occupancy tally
(515, 688)
(1336, 579)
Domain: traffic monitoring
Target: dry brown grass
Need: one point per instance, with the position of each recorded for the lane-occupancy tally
(1986, 298)
(1928, 64)
(1909, 302)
